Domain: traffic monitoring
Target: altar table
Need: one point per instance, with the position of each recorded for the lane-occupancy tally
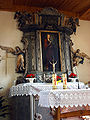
(56, 98)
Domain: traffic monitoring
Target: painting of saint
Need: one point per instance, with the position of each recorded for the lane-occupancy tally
(50, 50)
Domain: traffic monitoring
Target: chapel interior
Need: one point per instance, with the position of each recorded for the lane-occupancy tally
(42, 44)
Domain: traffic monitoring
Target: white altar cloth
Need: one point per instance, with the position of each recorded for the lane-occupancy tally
(65, 98)
(35, 88)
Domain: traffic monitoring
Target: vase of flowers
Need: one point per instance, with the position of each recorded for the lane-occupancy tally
(73, 77)
(59, 79)
(30, 77)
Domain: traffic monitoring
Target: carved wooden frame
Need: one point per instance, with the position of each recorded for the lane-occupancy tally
(41, 46)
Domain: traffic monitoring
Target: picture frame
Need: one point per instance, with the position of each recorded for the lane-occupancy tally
(50, 50)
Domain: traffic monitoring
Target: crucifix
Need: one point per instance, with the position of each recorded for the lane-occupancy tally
(54, 81)
(53, 65)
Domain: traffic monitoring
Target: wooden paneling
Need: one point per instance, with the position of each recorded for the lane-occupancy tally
(86, 15)
(69, 7)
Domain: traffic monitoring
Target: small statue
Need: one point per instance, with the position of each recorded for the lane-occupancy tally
(53, 64)
(72, 23)
(23, 18)
(20, 56)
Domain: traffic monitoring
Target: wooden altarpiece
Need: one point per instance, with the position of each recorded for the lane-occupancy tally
(35, 27)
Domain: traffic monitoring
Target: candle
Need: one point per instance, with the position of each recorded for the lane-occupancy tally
(54, 81)
(64, 81)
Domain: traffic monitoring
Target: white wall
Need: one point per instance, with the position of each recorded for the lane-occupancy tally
(82, 41)
(10, 36)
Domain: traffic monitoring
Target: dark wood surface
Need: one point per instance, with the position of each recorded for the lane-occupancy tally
(20, 108)
(78, 113)
(69, 7)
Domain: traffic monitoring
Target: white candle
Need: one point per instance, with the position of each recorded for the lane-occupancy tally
(64, 81)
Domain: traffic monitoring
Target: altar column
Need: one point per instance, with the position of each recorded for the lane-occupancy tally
(62, 56)
(30, 51)
(39, 66)
(67, 53)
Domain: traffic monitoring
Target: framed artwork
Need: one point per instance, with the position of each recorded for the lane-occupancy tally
(50, 50)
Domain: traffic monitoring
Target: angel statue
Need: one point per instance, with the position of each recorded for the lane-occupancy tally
(78, 57)
(20, 57)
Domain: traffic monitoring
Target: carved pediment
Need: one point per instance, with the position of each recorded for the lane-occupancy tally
(49, 11)
(49, 18)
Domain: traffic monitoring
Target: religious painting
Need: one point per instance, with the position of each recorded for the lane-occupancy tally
(50, 51)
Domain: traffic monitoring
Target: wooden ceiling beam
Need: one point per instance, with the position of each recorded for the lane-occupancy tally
(85, 15)
(20, 8)
(69, 14)
(33, 9)
(84, 10)
(67, 9)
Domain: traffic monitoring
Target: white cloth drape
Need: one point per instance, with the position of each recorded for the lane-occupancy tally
(35, 88)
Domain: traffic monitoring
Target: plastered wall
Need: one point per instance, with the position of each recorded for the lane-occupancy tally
(82, 41)
(10, 36)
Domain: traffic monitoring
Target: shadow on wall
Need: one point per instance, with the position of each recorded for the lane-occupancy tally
(5, 82)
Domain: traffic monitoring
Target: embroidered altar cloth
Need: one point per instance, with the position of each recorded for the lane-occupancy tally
(65, 98)
(35, 88)
(49, 97)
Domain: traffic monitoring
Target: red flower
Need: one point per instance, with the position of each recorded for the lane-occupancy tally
(59, 78)
(72, 75)
(30, 76)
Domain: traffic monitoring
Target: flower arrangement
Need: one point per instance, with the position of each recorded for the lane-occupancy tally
(30, 76)
(72, 75)
(58, 78)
